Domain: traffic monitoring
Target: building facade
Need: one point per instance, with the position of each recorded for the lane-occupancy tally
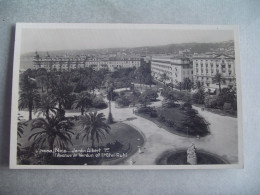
(60, 63)
(176, 70)
(205, 69)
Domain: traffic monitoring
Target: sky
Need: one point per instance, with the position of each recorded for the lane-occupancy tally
(77, 39)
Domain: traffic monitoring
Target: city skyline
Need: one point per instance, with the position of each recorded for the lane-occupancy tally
(87, 39)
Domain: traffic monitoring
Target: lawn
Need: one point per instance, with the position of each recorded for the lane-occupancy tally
(177, 116)
(172, 113)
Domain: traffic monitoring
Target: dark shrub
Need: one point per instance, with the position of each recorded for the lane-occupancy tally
(227, 106)
(168, 104)
(112, 96)
(162, 118)
(195, 125)
(123, 101)
(153, 114)
(211, 101)
(199, 96)
(99, 103)
(169, 123)
(187, 105)
(146, 110)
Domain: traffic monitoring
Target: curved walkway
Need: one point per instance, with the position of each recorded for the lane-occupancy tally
(221, 141)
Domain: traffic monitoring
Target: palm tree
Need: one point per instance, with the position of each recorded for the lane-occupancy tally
(47, 105)
(29, 98)
(93, 127)
(52, 133)
(20, 126)
(42, 81)
(82, 101)
(61, 91)
(218, 78)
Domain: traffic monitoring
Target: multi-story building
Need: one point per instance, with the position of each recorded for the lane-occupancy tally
(61, 63)
(175, 69)
(206, 67)
(113, 64)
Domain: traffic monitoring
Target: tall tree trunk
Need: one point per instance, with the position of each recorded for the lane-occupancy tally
(82, 110)
(30, 114)
(219, 85)
(93, 143)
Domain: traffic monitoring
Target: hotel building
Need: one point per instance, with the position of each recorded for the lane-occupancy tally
(206, 67)
(176, 69)
(60, 63)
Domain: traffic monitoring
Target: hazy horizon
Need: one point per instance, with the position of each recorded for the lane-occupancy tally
(43, 40)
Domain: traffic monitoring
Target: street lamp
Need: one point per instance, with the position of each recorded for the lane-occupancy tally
(138, 146)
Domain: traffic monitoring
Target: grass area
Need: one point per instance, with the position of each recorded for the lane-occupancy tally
(174, 114)
(160, 124)
(180, 158)
(129, 137)
(178, 116)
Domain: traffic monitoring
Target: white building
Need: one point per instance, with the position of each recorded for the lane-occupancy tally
(176, 69)
(113, 64)
(61, 63)
(206, 67)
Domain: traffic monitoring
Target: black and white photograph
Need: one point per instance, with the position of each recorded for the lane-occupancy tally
(126, 96)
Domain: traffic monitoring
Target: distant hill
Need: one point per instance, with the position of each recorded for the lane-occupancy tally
(26, 59)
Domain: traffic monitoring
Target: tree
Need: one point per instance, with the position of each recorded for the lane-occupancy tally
(134, 97)
(62, 93)
(198, 85)
(227, 96)
(187, 84)
(218, 79)
(164, 77)
(20, 126)
(52, 133)
(110, 96)
(93, 127)
(46, 105)
(179, 85)
(150, 94)
(199, 96)
(83, 101)
(147, 97)
(29, 96)
(42, 81)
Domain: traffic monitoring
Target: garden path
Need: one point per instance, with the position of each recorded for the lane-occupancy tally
(221, 141)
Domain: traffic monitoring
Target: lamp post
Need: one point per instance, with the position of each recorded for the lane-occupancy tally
(138, 146)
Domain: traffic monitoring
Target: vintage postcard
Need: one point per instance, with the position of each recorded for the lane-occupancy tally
(126, 96)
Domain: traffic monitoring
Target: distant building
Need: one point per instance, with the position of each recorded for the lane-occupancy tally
(207, 66)
(113, 64)
(176, 69)
(63, 63)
